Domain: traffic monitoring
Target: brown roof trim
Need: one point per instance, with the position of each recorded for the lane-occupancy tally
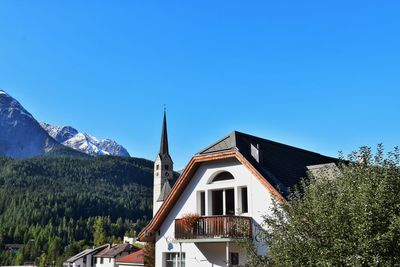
(185, 178)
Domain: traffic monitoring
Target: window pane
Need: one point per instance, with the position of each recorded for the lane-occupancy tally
(217, 203)
(223, 176)
(172, 259)
(183, 259)
(230, 201)
(202, 203)
(245, 207)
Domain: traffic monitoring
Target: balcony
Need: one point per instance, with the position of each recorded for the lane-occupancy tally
(213, 227)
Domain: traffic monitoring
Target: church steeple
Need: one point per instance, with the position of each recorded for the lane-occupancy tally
(163, 170)
(164, 137)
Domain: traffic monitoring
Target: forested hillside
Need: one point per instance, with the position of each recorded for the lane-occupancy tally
(55, 206)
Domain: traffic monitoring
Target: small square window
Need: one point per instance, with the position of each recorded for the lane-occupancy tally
(234, 258)
(173, 260)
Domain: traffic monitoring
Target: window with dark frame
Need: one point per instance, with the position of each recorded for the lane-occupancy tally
(202, 203)
(217, 202)
(230, 202)
(234, 258)
(245, 205)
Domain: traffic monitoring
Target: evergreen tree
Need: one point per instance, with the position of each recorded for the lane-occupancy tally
(100, 235)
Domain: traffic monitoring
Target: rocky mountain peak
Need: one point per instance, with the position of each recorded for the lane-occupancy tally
(21, 135)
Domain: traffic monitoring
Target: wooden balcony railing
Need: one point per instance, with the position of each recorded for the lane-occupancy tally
(227, 226)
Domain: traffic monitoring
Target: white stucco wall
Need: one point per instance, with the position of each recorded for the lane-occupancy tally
(259, 203)
(78, 263)
(107, 262)
(89, 258)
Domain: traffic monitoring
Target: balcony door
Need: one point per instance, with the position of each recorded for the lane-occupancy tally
(223, 202)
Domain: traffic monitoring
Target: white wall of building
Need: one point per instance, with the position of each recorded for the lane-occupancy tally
(81, 263)
(259, 204)
(107, 262)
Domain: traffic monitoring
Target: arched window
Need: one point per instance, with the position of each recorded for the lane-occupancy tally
(223, 176)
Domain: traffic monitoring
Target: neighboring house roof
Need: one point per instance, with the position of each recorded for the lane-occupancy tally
(135, 257)
(84, 253)
(277, 166)
(111, 251)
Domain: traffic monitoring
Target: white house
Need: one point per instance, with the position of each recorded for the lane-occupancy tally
(109, 255)
(84, 258)
(231, 182)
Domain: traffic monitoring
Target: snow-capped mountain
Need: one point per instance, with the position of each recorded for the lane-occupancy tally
(20, 134)
(84, 142)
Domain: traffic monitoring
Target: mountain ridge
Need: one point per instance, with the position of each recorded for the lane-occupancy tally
(22, 136)
(15, 123)
(83, 142)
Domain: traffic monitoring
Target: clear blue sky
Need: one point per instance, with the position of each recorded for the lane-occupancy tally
(322, 75)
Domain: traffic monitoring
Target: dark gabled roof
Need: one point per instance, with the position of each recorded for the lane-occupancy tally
(282, 165)
(165, 190)
(114, 250)
(84, 253)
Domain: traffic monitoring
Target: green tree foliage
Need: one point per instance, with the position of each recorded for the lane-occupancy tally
(348, 217)
(100, 235)
(55, 249)
(57, 206)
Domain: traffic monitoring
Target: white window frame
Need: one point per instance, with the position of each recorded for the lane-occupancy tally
(239, 199)
(199, 202)
(175, 260)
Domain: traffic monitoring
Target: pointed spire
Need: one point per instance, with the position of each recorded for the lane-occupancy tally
(164, 136)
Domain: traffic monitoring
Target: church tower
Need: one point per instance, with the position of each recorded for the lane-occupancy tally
(163, 170)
